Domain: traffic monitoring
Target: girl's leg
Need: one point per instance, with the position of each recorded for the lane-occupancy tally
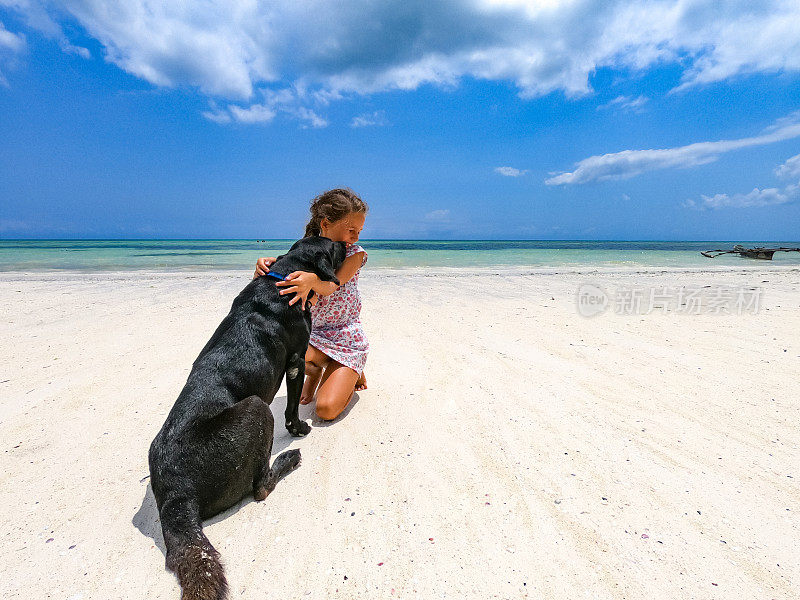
(335, 390)
(315, 364)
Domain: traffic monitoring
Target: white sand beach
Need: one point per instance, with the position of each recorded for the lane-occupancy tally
(507, 447)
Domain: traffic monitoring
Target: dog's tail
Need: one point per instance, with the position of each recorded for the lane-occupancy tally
(190, 555)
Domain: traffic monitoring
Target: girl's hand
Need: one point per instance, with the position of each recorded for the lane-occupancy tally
(300, 284)
(262, 266)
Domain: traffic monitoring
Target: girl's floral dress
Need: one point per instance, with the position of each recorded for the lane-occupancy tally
(336, 322)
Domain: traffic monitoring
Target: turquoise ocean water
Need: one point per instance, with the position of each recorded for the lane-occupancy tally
(193, 255)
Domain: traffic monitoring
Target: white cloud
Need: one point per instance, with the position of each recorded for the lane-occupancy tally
(742, 45)
(308, 117)
(256, 113)
(758, 197)
(628, 163)
(376, 119)
(232, 48)
(79, 50)
(11, 44)
(37, 17)
(287, 101)
(626, 103)
(440, 215)
(510, 171)
(218, 116)
(789, 169)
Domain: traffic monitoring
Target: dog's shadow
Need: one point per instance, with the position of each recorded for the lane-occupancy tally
(146, 519)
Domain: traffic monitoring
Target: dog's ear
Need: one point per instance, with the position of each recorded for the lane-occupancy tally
(324, 270)
(338, 254)
(328, 260)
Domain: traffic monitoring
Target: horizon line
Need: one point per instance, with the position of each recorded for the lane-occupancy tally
(258, 240)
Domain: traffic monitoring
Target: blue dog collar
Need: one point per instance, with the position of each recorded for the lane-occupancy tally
(276, 276)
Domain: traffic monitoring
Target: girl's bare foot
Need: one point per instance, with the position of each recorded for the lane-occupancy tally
(361, 384)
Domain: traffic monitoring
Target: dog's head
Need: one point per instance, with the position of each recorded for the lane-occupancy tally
(324, 256)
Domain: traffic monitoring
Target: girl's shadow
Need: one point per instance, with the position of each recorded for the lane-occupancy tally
(146, 519)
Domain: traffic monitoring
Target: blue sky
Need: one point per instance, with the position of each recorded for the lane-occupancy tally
(489, 119)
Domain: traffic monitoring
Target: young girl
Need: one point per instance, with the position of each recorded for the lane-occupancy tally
(338, 347)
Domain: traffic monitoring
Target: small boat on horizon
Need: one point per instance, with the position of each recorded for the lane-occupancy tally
(758, 252)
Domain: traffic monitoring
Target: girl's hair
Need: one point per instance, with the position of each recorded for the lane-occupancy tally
(333, 205)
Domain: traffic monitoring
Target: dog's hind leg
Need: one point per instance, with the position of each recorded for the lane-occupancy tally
(295, 373)
(269, 476)
(236, 446)
(284, 463)
(250, 421)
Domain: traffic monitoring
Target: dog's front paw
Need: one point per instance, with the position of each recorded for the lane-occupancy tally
(298, 428)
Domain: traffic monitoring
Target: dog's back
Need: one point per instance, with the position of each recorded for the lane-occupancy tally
(246, 356)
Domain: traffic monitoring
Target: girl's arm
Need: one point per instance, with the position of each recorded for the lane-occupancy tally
(262, 268)
(344, 273)
(303, 282)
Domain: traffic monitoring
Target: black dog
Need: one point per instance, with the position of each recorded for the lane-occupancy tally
(215, 445)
